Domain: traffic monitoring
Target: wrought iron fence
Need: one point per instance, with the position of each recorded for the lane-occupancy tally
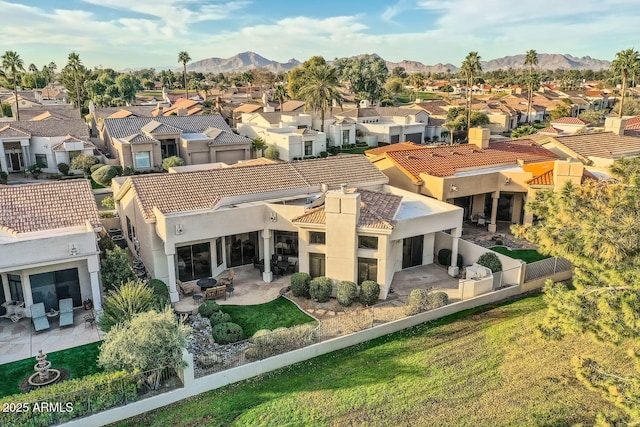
(546, 267)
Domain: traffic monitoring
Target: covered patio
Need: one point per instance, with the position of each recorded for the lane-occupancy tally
(423, 277)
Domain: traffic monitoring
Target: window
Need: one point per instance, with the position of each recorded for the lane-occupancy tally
(345, 136)
(142, 159)
(42, 159)
(193, 261)
(131, 230)
(316, 265)
(367, 269)
(308, 148)
(219, 251)
(367, 242)
(50, 287)
(317, 237)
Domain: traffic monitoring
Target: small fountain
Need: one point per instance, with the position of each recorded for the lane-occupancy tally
(44, 374)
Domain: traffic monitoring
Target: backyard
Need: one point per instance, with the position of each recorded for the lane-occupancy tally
(482, 367)
(526, 255)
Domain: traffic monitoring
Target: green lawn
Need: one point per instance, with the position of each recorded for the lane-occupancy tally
(485, 367)
(80, 361)
(279, 313)
(357, 150)
(526, 255)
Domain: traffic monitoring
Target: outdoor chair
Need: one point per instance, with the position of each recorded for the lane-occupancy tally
(184, 289)
(229, 279)
(216, 292)
(90, 319)
(66, 311)
(39, 317)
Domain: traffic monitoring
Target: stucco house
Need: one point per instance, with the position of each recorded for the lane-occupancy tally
(333, 217)
(487, 179)
(143, 142)
(47, 142)
(48, 244)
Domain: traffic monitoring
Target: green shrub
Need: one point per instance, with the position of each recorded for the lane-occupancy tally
(172, 161)
(324, 154)
(104, 174)
(226, 333)
(333, 150)
(108, 202)
(491, 261)
(300, 284)
(208, 308)
(160, 292)
(84, 163)
(444, 258)
(95, 167)
(4, 177)
(347, 293)
(272, 153)
(320, 289)
(218, 317)
(63, 168)
(369, 292)
(266, 343)
(422, 300)
(128, 171)
(87, 395)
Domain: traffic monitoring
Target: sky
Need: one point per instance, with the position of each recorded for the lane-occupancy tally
(149, 33)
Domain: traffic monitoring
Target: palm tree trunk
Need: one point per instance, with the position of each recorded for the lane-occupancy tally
(624, 89)
(15, 95)
(184, 66)
(322, 120)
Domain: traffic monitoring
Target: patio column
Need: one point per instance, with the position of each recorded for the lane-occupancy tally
(267, 276)
(171, 268)
(25, 158)
(26, 292)
(93, 266)
(453, 269)
(494, 211)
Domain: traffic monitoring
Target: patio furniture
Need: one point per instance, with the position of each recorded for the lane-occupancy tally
(39, 317)
(229, 279)
(15, 310)
(90, 319)
(206, 283)
(197, 299)
(66, 311)
(230, 290)
(184, 289)
(292, 267)
(215, 293)
(281, 267)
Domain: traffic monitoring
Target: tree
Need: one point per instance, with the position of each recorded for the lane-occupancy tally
(122, 303)
(172, 161)
(115, 269)
(320, 90)
(365, 76)
(624, 64)
(258, 145)
(594, 117)
(127, 85)
(149, 340)
(531, 59)
(523, 131)
(74, 76)
(595, 226)
(470, 67)
(280, 93)
(561, 110)
(296, 76)
(12, 63)
(272, 153)
(183, 58)
(399, 72)
(84, 163)
(394, 85)
(417, 80)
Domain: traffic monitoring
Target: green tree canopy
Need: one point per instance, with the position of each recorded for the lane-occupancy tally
(127, 85)
(172, 161)
(184, 58)
(365, 75)
(272, 153)
(561, 110)
(595, 226)
(12, 64)
(297, 76)
(104, 175)
(74, 75)
(84, 163)
(320, 90)
(121, 304)
(625, 64)
(115, 269)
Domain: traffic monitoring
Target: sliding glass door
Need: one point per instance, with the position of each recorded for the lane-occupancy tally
(241, 248)
(194, 261)
(50, 287)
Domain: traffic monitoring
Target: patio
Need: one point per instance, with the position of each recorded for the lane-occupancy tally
(19, 341)
(423, 277)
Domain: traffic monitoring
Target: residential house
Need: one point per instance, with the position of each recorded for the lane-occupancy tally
(333, 217)
(46, 142)
(143, 142)
(48, 244)
(570, 125)
(487, 179)
(290, 133)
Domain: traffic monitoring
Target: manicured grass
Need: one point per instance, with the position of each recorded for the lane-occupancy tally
(526, 255)
(80, 361)
(279, 313)
(357, 150)
(484, 367)
(427, 95)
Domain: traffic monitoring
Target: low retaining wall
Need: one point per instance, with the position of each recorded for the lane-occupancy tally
(194, 387)
(539, 283)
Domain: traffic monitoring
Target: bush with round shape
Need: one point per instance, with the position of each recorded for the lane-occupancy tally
(226, 333)
(63, 168)
(347, 293)
(208, 308)
(320, 289)
(104, 174)
(219, 317)
(159, 288)
(172, 161)
(300, 284)
(444, 258)
(491, 261)
(369, 292)
(423, 299)
(272, 153)
(266, 343)
(95, 167)
(438, 299)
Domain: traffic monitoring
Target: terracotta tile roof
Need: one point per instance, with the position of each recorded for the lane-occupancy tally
(62, 112)
(633, 123)
(433, 108)
(122, 128)
(9, 131)
(180, 192)
(178, 104)
(607, 145)
(392, 147)
(550, 130)
(356, 112)
(547, 178)
(377, 210)
(47, 206)
(247, 108)
(51, 128)
(135, 110)
(292, 105)
(446, 160)
(121, 114)
(570, 121)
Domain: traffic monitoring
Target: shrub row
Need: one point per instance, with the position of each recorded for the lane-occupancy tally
(444, 258)
(422, 300)
(223, 330)
(266, 343)
(320, 289)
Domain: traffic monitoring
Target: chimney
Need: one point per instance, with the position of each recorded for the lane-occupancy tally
(365, 103)
(160, 108)
(479, 137)
(567, 170)
(615, 125)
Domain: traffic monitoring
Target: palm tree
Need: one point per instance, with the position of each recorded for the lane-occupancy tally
(75, 64)
(623, 65)
(12, 63)
(320, 89)
(280, 93)
(530, 59)
(183, 58)
(470, 66)
(34, 70)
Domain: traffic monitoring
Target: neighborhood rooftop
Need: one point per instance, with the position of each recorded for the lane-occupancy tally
(606, 145)
(47, 206)
(46, 128)
(124, 127)
(181, 192)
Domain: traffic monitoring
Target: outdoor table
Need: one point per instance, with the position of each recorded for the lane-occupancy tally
(282, 267)
(52, 314)
(197, 299)
(206, 283)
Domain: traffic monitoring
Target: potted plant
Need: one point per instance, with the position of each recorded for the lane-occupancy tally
(87, 304)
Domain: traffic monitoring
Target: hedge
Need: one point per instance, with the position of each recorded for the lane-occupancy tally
(208, 308)
(300, 284)
(320, 289)
(444, 258)
(226, 333)
(266, 343)
(347, 293)
(369, 292)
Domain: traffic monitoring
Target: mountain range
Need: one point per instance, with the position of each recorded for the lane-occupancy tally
(250, 60)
